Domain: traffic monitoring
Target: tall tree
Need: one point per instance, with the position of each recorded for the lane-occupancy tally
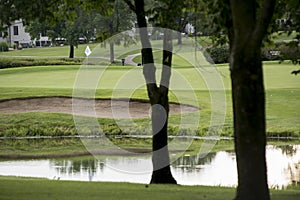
(68, 13)
(250, 23)
(246, 25)
(118, 20)
(158, 93)
(78, 25)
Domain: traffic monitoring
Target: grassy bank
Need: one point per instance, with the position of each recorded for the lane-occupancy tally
(29, 188)
(73, 147)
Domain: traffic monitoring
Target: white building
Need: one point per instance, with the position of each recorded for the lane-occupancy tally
(2, 39)
(16, 34)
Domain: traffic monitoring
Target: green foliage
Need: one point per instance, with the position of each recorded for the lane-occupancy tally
(290, 51)
(219, 54)
(118, 20)
(282, 51)
(27, 62)
(3, 46)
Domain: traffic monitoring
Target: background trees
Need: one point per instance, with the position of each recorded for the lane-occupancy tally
(118, 20)
(69, 19)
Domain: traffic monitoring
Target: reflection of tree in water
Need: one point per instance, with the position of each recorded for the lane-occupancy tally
(289, 150)
(294, 167)
(75, 166)
(188, 162)
(295, 172)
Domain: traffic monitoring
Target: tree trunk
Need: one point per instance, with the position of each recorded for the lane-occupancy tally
(160, 155)
(111, 51)
(179, 38)
(158, 97)
(71, 55)
(249, 26)
(249, 128)
(160, 115)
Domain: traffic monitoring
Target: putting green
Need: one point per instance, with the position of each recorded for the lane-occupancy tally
(277, 76)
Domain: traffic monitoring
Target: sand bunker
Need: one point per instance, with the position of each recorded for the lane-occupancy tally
(122, 108)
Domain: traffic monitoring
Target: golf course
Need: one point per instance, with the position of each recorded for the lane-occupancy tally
(36, 103)
(282, 92)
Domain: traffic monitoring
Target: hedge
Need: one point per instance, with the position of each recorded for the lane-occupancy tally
(281, 51)
(24, 62)
(3, 46)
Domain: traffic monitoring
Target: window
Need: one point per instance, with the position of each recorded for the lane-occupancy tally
(16, 30)
(43, 34)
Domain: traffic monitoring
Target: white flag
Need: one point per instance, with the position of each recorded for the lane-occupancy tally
(87, 51)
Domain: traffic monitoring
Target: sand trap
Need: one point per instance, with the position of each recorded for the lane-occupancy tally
(122, 108)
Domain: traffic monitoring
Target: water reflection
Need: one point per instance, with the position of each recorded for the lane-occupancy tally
(214, 169)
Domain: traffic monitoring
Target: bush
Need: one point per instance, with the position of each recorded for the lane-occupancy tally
(290, 51)
(282, 51)
(24, 62)
(219, 54)
(3, 46)
(270, 54)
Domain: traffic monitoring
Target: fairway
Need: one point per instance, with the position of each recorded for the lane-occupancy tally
(282, 88)
(277, 76)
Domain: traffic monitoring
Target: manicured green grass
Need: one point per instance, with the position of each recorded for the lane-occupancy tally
(41, 148)
(282, 91)
(48, 51)
(74, 147)
(31, 189)
(277, 76)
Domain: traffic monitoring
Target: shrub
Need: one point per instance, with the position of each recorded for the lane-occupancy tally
(23, 62)
(270, 54)
(219, 54)
(3, 46)
(282, 51)
(290, 51)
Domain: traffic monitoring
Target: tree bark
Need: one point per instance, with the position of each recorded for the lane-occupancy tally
(71, 55)
(179, 38)
(248, 96)
(111, 52)
(160, 115)
(249, 127)
(158, 98)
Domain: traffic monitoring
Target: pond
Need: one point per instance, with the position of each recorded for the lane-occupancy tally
(216, 169)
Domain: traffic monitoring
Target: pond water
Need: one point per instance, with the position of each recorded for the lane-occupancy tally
(216, 169)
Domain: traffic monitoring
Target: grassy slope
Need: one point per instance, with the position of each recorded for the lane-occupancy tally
(28, 188)
(74, 147)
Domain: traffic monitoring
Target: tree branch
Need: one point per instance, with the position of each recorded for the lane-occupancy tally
(167, 60)
(130, 5)
(264, 19)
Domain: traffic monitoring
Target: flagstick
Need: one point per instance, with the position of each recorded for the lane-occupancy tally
(87, 53)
